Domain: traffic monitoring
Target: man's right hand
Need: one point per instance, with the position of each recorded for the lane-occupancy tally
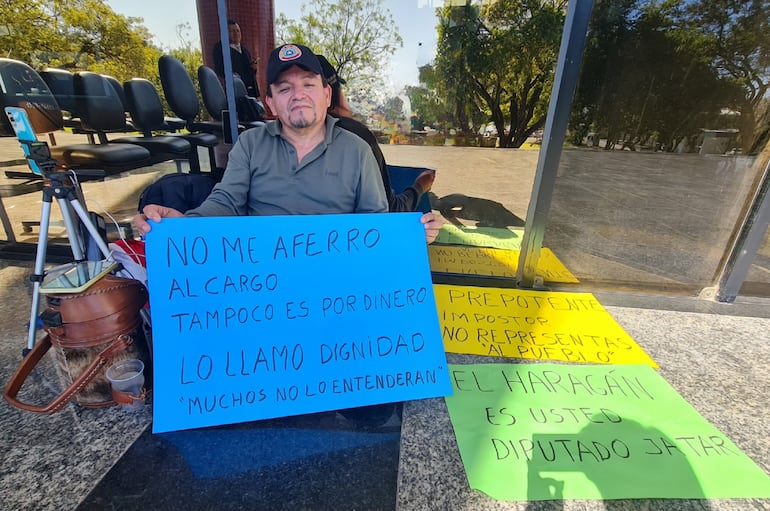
(425, 180)
(153, 212)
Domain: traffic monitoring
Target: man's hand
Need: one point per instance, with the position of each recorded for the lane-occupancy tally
(432, 225)
(153, 212)
(425, 180)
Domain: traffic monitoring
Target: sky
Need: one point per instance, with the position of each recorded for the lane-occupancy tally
(415, 19)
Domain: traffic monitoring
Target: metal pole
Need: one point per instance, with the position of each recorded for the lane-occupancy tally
(744, 250)
(228, 65)
(565, 82)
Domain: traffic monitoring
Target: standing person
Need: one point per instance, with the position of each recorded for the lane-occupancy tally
(300, 164)
(243, 64)
(408, 199)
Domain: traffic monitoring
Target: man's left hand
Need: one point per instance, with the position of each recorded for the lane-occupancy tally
(432, 225)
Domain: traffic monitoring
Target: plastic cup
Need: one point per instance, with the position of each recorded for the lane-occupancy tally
(128, 376)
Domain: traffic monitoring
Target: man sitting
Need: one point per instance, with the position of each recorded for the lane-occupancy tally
(300, 164)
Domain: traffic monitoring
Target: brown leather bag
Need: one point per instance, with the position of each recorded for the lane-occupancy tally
(90, 331)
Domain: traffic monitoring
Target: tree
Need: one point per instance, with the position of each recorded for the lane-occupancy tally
(356, 36)
(642, 82)
(735, 36)
(26, 29)
(500, 56)
(77, 35)
(428, 107)
(393, 110)
(106, 42)
(649, 78)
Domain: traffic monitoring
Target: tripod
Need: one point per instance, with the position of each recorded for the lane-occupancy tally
(62, 186)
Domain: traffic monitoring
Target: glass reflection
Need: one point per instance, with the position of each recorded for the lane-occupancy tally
(668, 119)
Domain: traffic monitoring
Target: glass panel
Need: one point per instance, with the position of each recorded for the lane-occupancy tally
(642, 219)
(663, 138)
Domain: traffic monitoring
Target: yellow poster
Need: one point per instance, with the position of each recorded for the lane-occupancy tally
(543, 325)
(494, 262)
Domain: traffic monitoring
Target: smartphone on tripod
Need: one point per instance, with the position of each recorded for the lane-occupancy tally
(72, 277)
(26, 135)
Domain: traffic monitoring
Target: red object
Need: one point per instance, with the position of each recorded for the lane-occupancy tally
(134, 249)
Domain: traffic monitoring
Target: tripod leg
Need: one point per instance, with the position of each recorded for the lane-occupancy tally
(37, 277)
(76, 242)
(83, 215)
(68, 202)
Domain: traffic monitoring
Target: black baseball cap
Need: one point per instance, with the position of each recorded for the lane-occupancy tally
(288, 55)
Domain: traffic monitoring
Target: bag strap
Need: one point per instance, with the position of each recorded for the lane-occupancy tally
(36, 354)
(127, 398)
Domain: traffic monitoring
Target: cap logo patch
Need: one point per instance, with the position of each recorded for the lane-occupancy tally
(289, 52)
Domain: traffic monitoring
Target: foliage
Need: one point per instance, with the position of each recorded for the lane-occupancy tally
(458, 44)
(356, 36)
(656, 74)
(77, 35)
(26, 29)
(86, 35)
(393, 110)
(427, 108)
(499, 58)
(735, 36)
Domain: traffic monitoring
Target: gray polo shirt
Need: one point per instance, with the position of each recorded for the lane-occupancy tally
(263, 177)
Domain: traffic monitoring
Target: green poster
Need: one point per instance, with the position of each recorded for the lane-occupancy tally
(557, 431)
(495, 237)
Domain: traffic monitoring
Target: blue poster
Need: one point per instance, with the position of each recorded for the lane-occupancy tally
(262, 317)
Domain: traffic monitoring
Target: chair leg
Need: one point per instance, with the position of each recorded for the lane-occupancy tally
(195, 162)
(212, 160)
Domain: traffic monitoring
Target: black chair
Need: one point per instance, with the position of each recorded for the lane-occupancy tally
(251, 111)
(118, 88)
(215, 101)
(62, 85)
(20, 85)
(101, 111)
(169, 123)
(239, 88)
(182, 97)
(215, 98)
(179, 191)
(212, 92)
(146, 110)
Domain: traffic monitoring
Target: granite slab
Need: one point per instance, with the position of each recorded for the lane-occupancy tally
(719, 363)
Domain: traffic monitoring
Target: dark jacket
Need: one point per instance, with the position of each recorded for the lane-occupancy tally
(241, 62)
